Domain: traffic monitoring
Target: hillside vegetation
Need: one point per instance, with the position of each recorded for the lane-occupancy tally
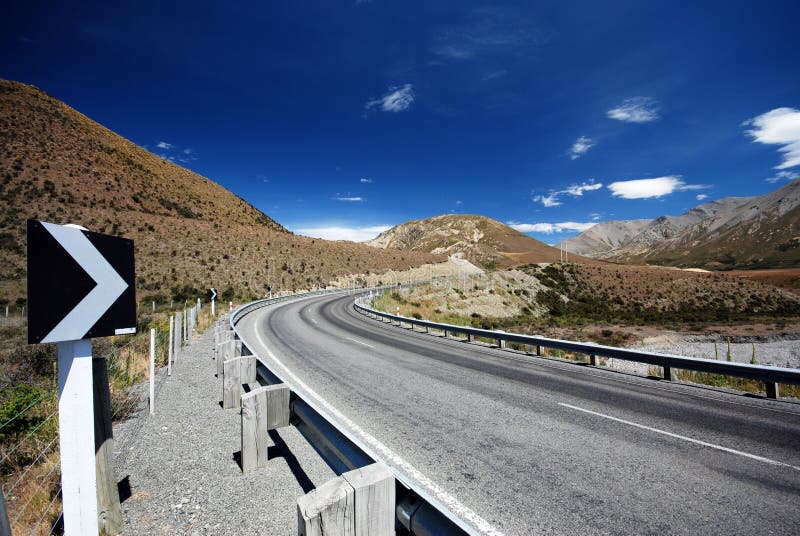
(60, 166)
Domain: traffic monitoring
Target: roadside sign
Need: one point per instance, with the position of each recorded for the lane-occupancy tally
(212, 294)
(80, 284)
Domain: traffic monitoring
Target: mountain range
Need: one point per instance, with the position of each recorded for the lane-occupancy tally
(190, 233)
(733, 232)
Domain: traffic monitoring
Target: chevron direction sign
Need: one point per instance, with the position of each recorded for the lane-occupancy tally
(80, 284)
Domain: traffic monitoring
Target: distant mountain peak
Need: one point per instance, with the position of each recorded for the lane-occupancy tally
(745, 232)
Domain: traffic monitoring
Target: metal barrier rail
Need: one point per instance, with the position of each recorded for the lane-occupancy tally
(415, 510)
(770, 375)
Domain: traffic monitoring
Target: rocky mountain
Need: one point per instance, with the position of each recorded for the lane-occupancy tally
(190, 233)
(479, 239)
(734, 232)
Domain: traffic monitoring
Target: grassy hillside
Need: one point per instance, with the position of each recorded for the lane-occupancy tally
(60, 166)
(480, 239)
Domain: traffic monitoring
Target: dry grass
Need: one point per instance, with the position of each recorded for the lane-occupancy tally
(191, 234)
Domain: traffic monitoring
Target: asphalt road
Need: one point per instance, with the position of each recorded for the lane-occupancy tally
(526, 445)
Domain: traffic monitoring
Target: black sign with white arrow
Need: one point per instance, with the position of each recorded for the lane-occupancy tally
(212, 294)
(80, 284)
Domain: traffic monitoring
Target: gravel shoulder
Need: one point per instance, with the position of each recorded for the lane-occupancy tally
(181, 466)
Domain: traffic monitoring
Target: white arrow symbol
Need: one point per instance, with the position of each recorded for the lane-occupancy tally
(110, 285)
(213, 293)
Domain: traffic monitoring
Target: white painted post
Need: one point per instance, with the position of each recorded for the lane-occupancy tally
(214, 309)
(152, 370)
(171, 336)
(198, 305)
(76, 431)
(154, 307)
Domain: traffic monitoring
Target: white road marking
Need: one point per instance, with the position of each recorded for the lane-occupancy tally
(684, 438)
(360, 342)
(386, 454)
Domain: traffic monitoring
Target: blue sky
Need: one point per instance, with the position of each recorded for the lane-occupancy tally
(343, 118)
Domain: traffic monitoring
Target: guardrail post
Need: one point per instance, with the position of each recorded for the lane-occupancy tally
(358, 503)
(470, 337)
(593, 360)
(773, 389)
(235, 372)
(374, 489)
(668, 373)
(445, 334)
(263, 409)
(327, 510)
(501, 343)
(537, 350)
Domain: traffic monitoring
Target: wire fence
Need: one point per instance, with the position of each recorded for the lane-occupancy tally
(29, 447)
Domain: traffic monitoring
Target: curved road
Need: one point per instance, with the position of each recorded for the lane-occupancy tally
(528, 445)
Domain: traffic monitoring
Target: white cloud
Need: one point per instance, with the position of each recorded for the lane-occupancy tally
(354, 199)
(398, 99)
(547, 200)
(458, 201)
(576, 190)
(780, 126)
(354, 234)
(550, 228)
(366, 181)
(701, 197)
(164, 145)
(783, 176)
(635, 110)
(648, 188)
(579, 148)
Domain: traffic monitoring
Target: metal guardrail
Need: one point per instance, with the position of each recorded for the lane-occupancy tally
(770, 375)
(415, 510)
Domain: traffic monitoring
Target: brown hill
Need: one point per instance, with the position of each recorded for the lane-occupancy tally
(480, 239)
(734, 232)
(58, 165)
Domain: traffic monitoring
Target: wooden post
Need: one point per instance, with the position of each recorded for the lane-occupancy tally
(593, 360)
(538, 350)
(169, 346)
(470, 337)
(109, 510)
(501, 343)
(5, 528)
(235, 372)
(152, 370)
(773, 389)
(327, 510)
(263, 409)
(75, 431)
(374, 490)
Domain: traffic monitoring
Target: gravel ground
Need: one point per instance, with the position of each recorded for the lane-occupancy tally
(780, 353)
(180, 463)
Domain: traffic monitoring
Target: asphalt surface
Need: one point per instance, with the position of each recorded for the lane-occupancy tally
(527, 445)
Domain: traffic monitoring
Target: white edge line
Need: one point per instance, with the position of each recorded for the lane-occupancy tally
(684, 438)
(440, 498)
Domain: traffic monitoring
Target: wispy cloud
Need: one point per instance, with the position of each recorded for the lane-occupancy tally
(635, 110)
(780, 126)
(164, 145)
(354, 234)
(397, 99)
(550, 228)
(366, 181)
(349, 199)
(579, 148)
(784, 176)
(701, 197)
(486, 31)
(576, 190)
(649, 188)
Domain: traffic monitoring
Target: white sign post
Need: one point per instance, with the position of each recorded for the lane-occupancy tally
(76, 436)
(213, 303)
